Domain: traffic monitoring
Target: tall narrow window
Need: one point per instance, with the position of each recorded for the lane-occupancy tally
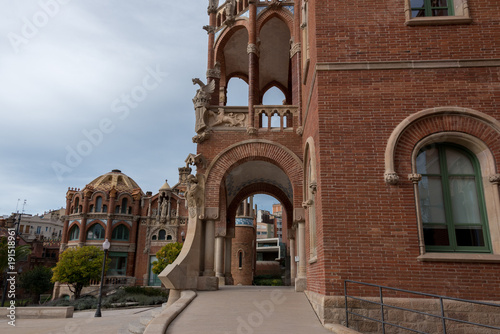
(77, 203)
(240, 259)
(98, 204)
(161, 235)
(451, 198)
(124, 205)
(74, 233)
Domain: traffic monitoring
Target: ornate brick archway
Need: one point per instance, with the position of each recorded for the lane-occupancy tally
(251, 150)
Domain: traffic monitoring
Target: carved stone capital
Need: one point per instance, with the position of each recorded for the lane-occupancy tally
(313, 186)
(300, 131)
(307, 203)
(214, 72)
(391, 178)
(251, 130)
(415, 178)
(295, 47)
(299, 215)
(212, 214)
(209, 29)
(495, 179)
(253, 48)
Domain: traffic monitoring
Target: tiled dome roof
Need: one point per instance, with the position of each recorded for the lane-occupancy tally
(115, 179)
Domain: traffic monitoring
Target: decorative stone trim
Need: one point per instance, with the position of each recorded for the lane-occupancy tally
(313, 186)
(414, 178)
(294, 49)
(390, 173)
(300, 131)
(251, 130)
(299, 215)
(391, 178)
(214, 72)
(253, 48)
(495, 179)
(408, 65)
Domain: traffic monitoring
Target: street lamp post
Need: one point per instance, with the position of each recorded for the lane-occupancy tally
(183, 236)
(105, 247)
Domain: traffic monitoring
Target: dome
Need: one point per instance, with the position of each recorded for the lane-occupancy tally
(165, 187)
(115, 179)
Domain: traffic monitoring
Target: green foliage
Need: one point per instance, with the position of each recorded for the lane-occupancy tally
(267, 280)
(77, 267)
(138, 295)
(21, 252)
(166, 256)
(36, 281)
(147, 291)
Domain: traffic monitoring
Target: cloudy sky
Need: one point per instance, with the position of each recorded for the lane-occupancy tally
(90, 86)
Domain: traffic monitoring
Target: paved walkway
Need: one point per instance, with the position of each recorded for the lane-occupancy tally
(248, 310)
(111, 322)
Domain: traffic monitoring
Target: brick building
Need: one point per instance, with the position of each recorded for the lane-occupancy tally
(386, 157)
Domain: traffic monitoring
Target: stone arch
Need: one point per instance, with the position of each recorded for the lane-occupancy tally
(262, 188)
(255, 149)
(435, 120)
(282, 14)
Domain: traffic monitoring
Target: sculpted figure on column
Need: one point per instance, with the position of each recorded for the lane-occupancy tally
(213, 5)
(201, 101)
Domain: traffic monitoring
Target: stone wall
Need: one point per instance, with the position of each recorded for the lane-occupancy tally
(331, 309)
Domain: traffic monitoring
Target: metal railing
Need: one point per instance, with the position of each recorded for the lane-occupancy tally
(442, 317)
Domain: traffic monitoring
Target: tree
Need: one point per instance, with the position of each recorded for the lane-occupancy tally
(166, 255)
(36, 281)
(20, 253)
(77, 267)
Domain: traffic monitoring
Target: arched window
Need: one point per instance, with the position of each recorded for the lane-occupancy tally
(161, 235)
(98, 204)
(74, 233)
(154, 237)
(452, 206)
(77, 203)
(169, 237)
(95, 232)
(240, 259)
(124, 205)
(121, 232)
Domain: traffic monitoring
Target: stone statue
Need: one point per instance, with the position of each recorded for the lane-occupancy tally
(201, 101)
(212, 6)
(164, 208)
(230, 6)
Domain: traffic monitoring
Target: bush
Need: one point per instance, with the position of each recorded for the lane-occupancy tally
(148, 291)
(268, 280)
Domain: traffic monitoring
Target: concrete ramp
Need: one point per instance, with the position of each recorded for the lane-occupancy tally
(248, 310)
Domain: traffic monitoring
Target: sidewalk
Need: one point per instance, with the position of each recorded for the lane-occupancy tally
(83, 322)
(248, 310)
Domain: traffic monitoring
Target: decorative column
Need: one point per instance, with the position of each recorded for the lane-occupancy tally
(209, 248)
(415, 179)
(111, 211)
(253, 66)
(227, 263)
(301, 280)
(65, 234)
(293, 266)
(219, 259)
(83, 228)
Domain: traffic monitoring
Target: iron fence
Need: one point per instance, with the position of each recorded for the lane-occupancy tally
(383, 306)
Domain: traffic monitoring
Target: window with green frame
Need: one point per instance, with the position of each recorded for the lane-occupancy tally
(95, 232)
(422, 8)
(452, 200)
(121, 232)
(74, 233)
(118, 265)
